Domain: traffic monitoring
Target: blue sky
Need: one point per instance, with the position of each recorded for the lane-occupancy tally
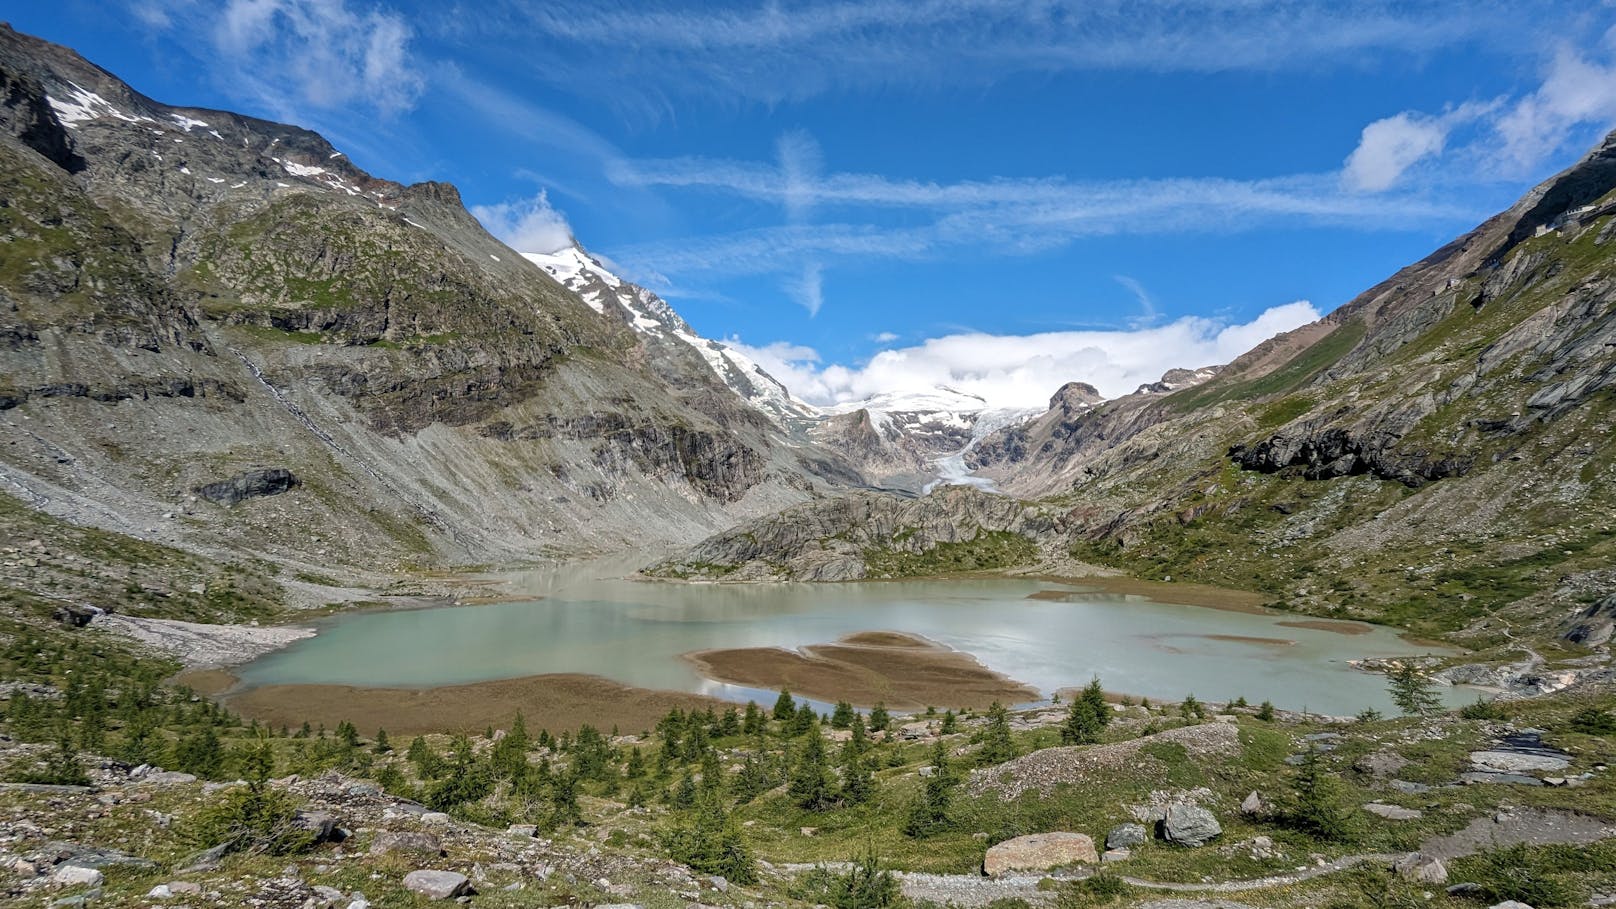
(997, 194)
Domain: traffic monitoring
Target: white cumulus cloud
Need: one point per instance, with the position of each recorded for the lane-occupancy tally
(1391, 146)
(1022, 371)
(528, 225)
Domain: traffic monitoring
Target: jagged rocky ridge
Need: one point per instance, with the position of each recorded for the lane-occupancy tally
(189, 295)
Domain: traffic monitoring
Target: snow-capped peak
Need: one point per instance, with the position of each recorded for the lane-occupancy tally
(649, 314)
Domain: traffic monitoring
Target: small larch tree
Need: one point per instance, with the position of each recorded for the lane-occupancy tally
(1412, 691)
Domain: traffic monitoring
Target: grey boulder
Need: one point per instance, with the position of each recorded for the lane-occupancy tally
(438, 885)
(1189, 825)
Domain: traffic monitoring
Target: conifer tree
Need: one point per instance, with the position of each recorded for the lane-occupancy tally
(784, 707)
(810, 783)
(997, 746)
(858, 783)
(1087, 716)
(1412, 691)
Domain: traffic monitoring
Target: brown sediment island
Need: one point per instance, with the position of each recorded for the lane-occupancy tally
(1183, 594)
(1250, 639)
(903, 671)
(558, 702)
(1331, 625)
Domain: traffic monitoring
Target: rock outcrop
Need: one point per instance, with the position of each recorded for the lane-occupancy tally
(265, 481)
(1039, 852)
(873, 535)
(1593, 626)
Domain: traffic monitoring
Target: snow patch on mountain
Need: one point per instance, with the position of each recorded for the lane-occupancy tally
(649, 314)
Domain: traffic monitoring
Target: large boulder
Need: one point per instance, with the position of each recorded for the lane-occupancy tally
(1421, 868)
(1189, 825)
(1039, 852)
(406, 841)
(1126, 836)
(438, 885)
(266, 481)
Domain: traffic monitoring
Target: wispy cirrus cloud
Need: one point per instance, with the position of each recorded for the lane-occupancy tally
(772, 52)
(1006, 216)
(1573, 102)
(291, 57)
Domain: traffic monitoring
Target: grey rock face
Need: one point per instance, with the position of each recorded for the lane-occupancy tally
(1189, 825)
(1594, 625)
(243, 284)
(1324, 449)
(29, 118)
(267, 481)
(832, 540)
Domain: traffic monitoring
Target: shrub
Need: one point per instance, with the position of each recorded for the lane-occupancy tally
(1098, 890)
(252, 818)
(61, 768)
(1593, 721)
(864, 886)
(1536, 877)
(709, 841)
(1482, 709)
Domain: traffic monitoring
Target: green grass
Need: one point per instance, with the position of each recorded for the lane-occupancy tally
(987, 551)
(1301, 369)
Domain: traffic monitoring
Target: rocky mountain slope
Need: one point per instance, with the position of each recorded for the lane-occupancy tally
(216, 332)
(672, 337)
(897, 440)
(1438, 452)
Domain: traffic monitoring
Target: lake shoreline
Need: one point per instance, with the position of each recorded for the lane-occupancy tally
(559, 702)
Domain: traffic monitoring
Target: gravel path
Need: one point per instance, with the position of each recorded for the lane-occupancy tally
(1531, 826)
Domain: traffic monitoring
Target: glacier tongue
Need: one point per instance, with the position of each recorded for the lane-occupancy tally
(952, 469)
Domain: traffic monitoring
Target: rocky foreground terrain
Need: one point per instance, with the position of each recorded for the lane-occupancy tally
(1166, 806)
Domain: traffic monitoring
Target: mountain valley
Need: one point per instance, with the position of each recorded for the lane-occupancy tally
(575, 556)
